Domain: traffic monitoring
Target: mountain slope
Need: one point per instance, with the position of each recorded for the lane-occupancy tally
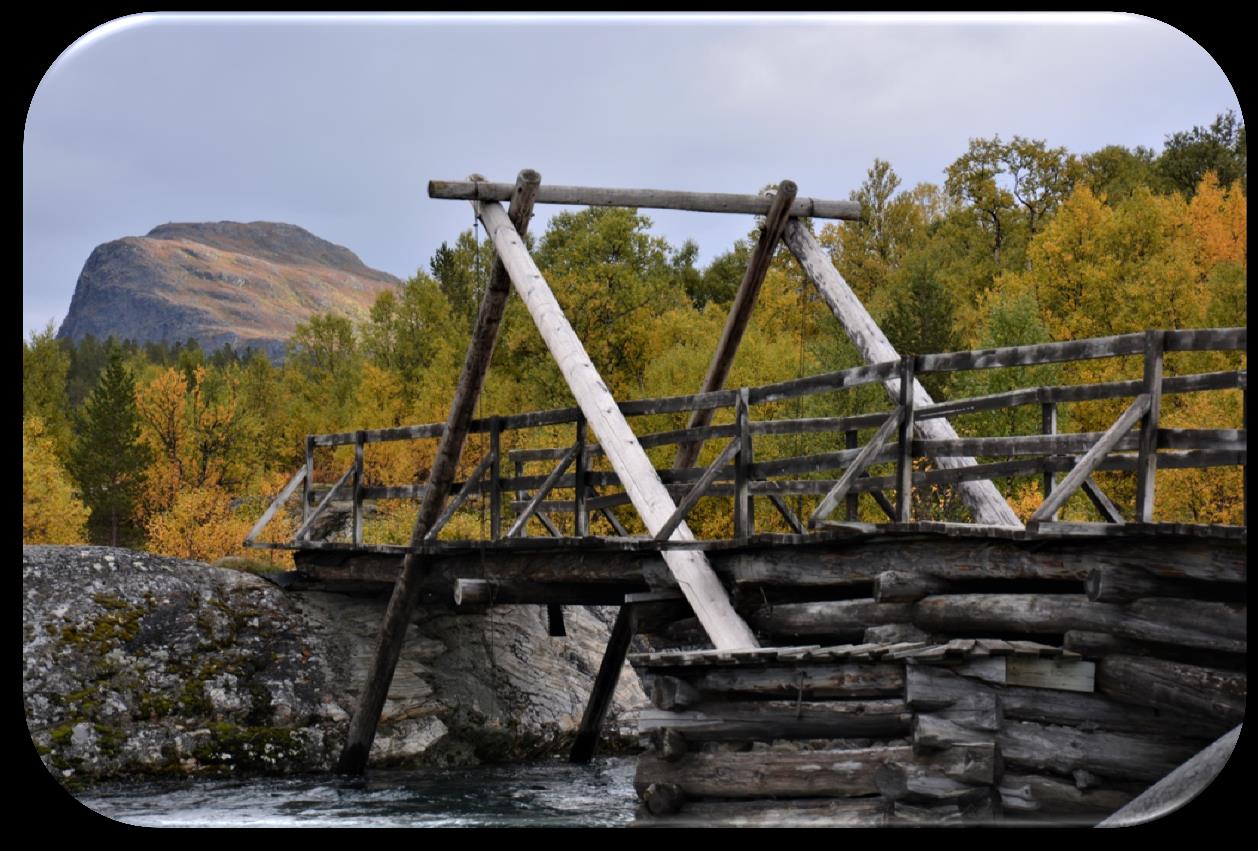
(218, 282)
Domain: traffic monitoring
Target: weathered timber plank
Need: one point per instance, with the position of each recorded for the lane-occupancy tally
(904, 586)
(1205, 339)
(1069, 350)
(604, 685)
(1115, 584)
(287, 491)
(840, 773)
(764, 721)
(1162, 684)
(698, 490)
(660, 199)
(982, 497)
(843, 680)
(831, 617)
(654, 504)
(1064, 750)
(1193, 623)
(863, 459)
(1058, 801)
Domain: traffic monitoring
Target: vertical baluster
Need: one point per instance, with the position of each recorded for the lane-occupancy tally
(580, 519)
(360, 438)
(744, 520)
(495, 479)
(309, 484)
(1146, 472)
(1048, 425)
(853, 514)
(520, 495)
(904, 466)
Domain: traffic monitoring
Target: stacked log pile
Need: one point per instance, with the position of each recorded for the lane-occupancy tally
(1014, 704)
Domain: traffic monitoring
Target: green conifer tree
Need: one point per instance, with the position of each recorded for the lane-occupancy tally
(108, 460)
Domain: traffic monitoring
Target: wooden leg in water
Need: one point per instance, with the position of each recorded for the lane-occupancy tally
(604, 685)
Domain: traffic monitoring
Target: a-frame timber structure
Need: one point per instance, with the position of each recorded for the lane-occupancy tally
(662, 498)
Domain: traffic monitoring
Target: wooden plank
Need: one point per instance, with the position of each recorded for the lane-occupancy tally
(304, 529)
(1205, 339)
(362, 730)
(604, 686)
(1162, 684)
(1122, 584)
(767, 720)
(308, 482)
(982, 497)
(904, 458)
(1089, 462)
(1192, 623)
(1147, 471)
(659, 199)
(851, 440)
(1048, 427)
(814, 425)
(480, 594)
(907, 586)
(829, 617)
(357, 523)
(580, 514)
(697, 492)
(787, 514)
(547, 484)
(461, 496)
(1039, 353)
(1064, 750)
(740, 312)
(1060, 674)
(862, 460)
(804, 681)
(1103, 504)
(654, 504)
(285, 492)
(824, 382)
(831, 773)
(744, 516)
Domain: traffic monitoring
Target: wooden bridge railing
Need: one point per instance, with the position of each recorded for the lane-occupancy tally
(736, 473)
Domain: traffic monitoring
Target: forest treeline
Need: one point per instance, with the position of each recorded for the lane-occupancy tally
(178, 450)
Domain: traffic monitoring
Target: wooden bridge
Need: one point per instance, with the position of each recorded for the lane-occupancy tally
(553, 490)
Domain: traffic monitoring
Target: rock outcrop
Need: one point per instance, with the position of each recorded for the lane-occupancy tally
(218, 282)
(135, 663)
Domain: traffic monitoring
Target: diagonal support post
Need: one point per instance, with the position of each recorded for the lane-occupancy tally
(740, 313)
(832, 499)
(697, 580)
(362, 728)
(984, 500)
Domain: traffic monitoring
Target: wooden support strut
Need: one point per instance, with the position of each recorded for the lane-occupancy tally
(362, 730)
(694, 575)
(740, 314)
(984, 500)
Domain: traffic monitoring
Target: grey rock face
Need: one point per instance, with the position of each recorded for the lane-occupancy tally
(135, 663)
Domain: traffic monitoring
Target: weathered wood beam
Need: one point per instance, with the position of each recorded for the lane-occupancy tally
(766, 720)
(604, 685)
(546, 486)
(863, 459)
(468, 487)
(1154, 344)
(1161, 684)
(982, 497)
(654, 504)
(697, 492)
(1090, 461)
(740, 312)
(397, 619)
(659, 199)
(304, 529)
(287, 491)
(1101, 502)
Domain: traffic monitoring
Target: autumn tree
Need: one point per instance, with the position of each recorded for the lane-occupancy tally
(108, 458)
(45, 368)
(1190, 154)
(51, 511)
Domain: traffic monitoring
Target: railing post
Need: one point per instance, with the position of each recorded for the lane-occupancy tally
(744, 518)
(1146, 471)
(1048, 421)
(309, 484)
(519, 496)
(360, 437)
(580, 518)
(904, 465)
(495, 479)
(853, 500)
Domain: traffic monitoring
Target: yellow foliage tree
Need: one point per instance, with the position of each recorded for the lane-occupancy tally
(51, 512)
(199, 525)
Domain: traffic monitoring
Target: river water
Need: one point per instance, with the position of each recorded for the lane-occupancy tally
(546, 794)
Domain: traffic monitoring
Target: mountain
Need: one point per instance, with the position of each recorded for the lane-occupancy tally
(218, 282)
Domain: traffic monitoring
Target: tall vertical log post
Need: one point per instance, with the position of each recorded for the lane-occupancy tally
(904, 469)
(1147, 469)
(744, 508)
(984, 500)
(698, 582)
(740, 313)
(362, 728)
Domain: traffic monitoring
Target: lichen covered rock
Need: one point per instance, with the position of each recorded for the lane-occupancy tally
(135, 663)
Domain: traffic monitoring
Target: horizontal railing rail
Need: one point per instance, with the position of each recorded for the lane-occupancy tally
(1134, 443)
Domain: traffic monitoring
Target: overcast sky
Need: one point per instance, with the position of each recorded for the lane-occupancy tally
(337, 124)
